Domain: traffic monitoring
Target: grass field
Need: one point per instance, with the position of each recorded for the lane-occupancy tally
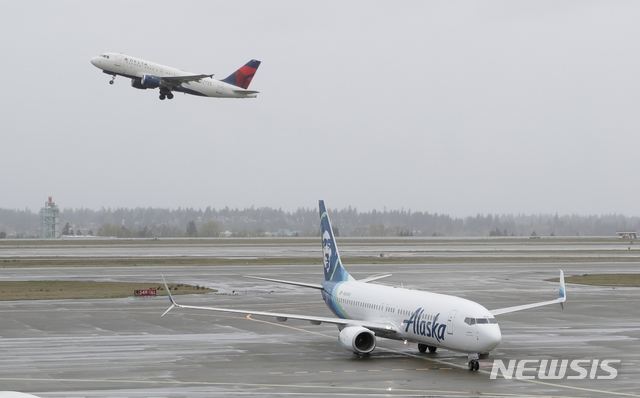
(52, 290)
(622, 280)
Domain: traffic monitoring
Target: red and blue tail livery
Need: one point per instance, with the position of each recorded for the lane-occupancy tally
(243, 76)
(149, 75)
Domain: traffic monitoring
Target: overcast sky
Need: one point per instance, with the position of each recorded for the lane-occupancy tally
(450, 107)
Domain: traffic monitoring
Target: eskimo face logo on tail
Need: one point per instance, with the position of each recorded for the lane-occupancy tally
(327, 251)
(425, 328)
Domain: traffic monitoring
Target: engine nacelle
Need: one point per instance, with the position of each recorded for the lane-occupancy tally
(137, 83)
(150, 81)
(357, 339)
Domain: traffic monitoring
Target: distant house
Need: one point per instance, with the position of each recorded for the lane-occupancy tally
(627, 234)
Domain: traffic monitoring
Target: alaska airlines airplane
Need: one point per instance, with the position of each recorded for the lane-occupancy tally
(145, 74)
(365, 311)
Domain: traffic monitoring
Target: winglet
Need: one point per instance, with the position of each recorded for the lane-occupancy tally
(173, 303)
(562, 295)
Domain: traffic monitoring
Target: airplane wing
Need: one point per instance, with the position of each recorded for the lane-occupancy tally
(178, 80)
(385, 328)
(562, 297)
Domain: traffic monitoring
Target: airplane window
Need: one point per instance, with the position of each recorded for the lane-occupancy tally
(492, 320)
(482, 320)
(470, 321)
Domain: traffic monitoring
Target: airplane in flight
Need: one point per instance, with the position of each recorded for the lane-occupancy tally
(365, 311)
(149, 75)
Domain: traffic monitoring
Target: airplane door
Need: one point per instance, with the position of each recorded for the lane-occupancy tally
(219, 88)
(452, 315)
(118, 60)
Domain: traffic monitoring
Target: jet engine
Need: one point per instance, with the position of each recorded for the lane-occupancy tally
(357, 339)
(137, 83)
(150, 81)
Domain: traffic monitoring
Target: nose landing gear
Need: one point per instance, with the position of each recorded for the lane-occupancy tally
(112, 79)
(473, 362)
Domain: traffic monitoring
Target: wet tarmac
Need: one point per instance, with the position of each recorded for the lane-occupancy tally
(123, 348)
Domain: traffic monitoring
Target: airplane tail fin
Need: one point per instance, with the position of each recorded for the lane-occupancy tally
(333, 270)
(243, 76)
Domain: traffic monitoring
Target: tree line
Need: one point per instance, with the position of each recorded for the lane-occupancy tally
(265, 221)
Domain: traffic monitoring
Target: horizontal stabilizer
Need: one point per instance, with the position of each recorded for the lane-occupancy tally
(246, 92)
(311, 285)
(374, 278)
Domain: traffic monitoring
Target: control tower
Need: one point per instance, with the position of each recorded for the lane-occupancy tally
(50, 220)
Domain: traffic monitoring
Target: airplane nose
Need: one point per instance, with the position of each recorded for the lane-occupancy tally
(95, 61)
(493, 336)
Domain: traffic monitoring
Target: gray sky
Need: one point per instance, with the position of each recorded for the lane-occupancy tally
(450, 107)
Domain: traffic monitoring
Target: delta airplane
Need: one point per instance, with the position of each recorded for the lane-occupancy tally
(365, 311)
(149, 75)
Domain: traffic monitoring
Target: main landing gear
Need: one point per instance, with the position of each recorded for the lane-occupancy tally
(423, 348)
(166, 94)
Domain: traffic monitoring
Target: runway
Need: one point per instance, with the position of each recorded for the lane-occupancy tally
(123, 348)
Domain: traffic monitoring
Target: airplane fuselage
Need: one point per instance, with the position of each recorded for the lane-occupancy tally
(432, 319)
(141, 71)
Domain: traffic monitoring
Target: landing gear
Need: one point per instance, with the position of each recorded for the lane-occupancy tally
(112, 79)
(423, 348)
(166, 94)
(473, 362)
